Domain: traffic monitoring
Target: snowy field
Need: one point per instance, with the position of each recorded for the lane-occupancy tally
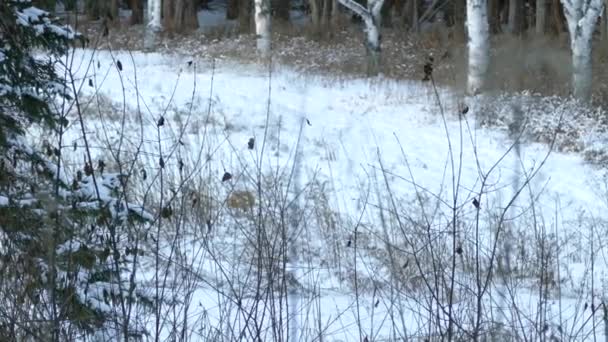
(369, 147)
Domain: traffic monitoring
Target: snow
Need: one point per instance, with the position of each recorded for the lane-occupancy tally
(351, 125)
(29, 15)
(39, 21)
(343, 116)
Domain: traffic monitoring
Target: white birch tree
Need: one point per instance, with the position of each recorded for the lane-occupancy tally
(582, 16)
(371, 16)
(478, 44)
(262, 26)
(154, 23)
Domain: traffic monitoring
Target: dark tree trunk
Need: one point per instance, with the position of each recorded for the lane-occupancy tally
(113, 10)
(458, 19)
(516, 16)
(191, 15)
(604, 41)
(327, 4)
(415, 16)
(494, 16)
(541, 17)
(245, 16)
(178, 15)
(168, 15)
(280, 9)
(137, 11)
(557, 18)
(232, 11)
(388, 7)
(94, 9)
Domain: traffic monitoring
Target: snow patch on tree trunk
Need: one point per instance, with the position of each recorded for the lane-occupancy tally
(262, 26)
(582, 16)
(478, 45)
(372, 18)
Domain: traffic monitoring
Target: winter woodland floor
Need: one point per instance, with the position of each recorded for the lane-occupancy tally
(380, 168)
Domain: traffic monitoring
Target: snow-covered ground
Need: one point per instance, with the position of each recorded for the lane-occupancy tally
(348, 127)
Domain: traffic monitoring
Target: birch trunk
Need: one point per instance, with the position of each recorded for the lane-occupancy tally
(262, 26)
(154, 24)
(581, 68)
(582, 16)
(372, 19)
(478, 45)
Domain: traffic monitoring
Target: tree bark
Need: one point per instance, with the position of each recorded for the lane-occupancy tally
(581, 17)
(326, 12)
(315, 14)
(557, 17)
(415, 16)
(190, 15)
(604, 41)
(168, 14)
(178, 15)
(154, 23)
(478, 45)
(372, 18)
(137, 12)
(541, 16)
(459, 20)
(245, 16)
(581, 69)
(280, 9)
(335, 12)
(262, 26)
(113, 10)
(232, 11)
(516, 13)
(94, 9)
(494, 16)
